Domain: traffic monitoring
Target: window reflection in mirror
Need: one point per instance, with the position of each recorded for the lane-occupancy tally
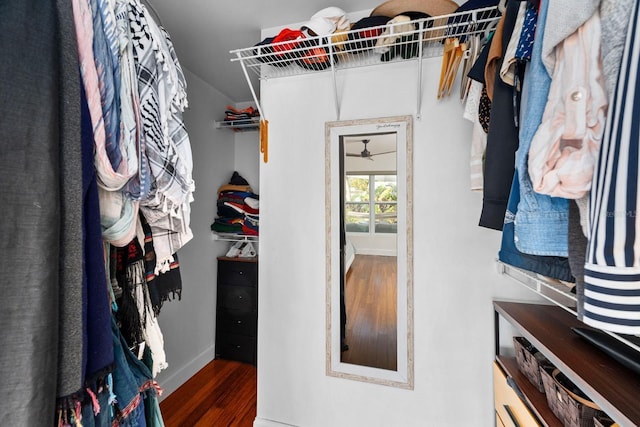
(370, 194)
(369, 249)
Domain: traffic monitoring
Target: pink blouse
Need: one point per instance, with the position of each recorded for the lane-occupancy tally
(565, 147)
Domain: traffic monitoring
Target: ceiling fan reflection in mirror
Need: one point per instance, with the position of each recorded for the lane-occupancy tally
(365, 153)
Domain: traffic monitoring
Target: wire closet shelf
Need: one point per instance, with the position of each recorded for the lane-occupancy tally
(556, 292)
(394, 42)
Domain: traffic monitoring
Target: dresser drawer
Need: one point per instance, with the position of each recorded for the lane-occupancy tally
(236, 347)
(242, 299)
(236, 322)
(241, 273)
(511, 410)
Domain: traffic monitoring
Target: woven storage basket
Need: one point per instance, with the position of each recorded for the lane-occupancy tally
(530, 361)
(604, 421)
(567, 402)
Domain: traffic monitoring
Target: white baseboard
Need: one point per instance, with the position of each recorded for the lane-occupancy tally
(179, 377)
(261, 422)
(375, 251)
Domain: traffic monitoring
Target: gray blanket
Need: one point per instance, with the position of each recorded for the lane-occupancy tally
(38, 219)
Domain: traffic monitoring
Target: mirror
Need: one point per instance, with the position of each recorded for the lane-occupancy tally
(369, 250)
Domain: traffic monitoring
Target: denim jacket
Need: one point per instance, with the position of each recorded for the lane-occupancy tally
(541, 222)
(550, 266)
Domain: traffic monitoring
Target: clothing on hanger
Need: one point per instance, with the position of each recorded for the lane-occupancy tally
(541, 222)
(613, 263)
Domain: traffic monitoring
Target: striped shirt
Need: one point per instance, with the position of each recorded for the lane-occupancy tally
(612, 269)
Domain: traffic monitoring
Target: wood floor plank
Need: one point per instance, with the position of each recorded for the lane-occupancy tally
(371, 302)
(221, 394)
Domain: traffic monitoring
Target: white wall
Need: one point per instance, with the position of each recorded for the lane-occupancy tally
(454, 274)
(374, 244)
(247, 153)
(247, 158)
(189, 325)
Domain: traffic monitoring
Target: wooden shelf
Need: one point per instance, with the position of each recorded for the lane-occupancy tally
(610, 385)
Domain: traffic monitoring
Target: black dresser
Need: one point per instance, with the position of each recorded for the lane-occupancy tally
(237, 309)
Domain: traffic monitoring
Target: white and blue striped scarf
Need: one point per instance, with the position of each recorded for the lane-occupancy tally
(162, 92)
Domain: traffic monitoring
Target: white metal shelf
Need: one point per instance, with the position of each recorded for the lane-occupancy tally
(239, 125)
(349, 50)
(553, 291)
(413, 41)
(231, 237)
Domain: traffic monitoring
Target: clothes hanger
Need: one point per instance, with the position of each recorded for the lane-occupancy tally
(470, 55)
(450, 46)
(469, 58)
(452, 72)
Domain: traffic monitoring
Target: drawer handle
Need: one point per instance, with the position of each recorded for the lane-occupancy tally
(514, 420)
(239, 322)
(239, 296)
(241, 272)
(238, 347)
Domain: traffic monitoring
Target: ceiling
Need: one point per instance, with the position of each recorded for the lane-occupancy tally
(376, 143)
(203, 32)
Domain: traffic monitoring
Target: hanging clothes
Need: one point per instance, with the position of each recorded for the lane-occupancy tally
(527, 36)
(563, 19)
(33, 121)
(508, 69)
(540, 226)
(165, 286)
(549, 266)
(478, 136)
(107, 64)
(138, 187)
(565, 147)
(108, 177)
(496, 49)
(614, 20)
(162, 90)
(614, 17)
(99, 347)
(73, 302)
(577, 250)
(57, 339)
(612, 270)
(502, 139)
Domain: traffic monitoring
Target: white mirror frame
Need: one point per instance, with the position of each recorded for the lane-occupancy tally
(403, 126)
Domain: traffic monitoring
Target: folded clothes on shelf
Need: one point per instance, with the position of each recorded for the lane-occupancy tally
(238, 208)
(235, 114)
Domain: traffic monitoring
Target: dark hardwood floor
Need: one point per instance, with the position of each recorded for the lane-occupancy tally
(370, 298)
(222, 394)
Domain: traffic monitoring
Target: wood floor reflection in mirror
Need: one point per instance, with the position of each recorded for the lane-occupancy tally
(370, 297)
